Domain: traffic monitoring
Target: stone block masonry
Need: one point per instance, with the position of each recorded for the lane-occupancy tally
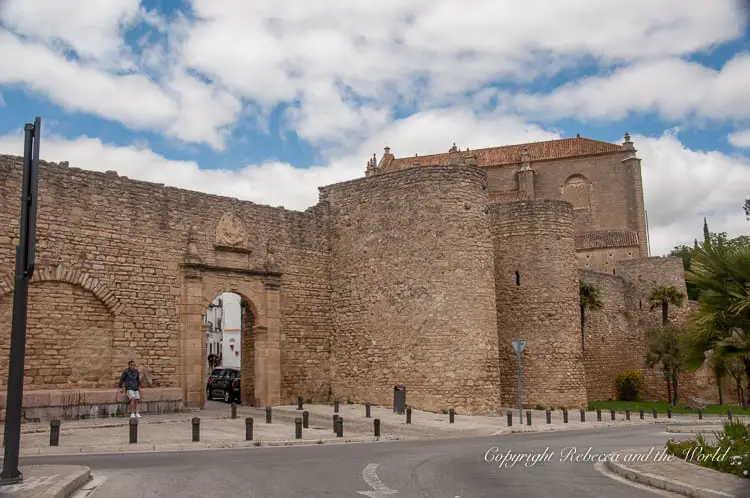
(537, 301)
(408, 277)
(412, 289)
(146, 246)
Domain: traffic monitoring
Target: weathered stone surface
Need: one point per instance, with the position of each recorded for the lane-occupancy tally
(400, 277)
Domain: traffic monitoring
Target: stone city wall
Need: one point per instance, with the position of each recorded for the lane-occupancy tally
(109, 281)
(412, 289)
(537, 294)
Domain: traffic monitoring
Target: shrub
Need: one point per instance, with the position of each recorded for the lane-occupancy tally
(730, 453)
(630, 385)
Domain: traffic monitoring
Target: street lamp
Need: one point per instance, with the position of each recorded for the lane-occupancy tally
(519, 346)
(25, 252)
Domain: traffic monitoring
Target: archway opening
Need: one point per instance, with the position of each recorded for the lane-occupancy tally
(229, 348)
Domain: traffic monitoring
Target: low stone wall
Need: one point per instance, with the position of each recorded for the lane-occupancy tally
(70, 404)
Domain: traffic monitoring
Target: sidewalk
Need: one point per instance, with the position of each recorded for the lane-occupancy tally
(47, 481)
(173, 432)
(677, 476)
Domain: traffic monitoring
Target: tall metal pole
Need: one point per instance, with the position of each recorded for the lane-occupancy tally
(25, 253)
(520, 390)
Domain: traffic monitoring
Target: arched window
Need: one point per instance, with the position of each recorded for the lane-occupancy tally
(577, 191)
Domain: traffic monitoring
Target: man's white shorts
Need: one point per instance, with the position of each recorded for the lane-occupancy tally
(133, 394)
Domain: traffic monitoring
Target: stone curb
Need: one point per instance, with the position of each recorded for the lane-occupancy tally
(207, 446)
(69, 485)
(660, 482)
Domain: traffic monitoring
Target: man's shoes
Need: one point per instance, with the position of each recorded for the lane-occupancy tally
(132, 415)
(138, 415)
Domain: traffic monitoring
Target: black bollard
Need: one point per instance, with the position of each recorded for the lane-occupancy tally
(196, 429)
(583, 415)
(306, 419)
(528, 417)
(669, 412)
(654, 412)
(627, 413)
(549, 416)
(340, 427)
(729, 414)
(54, 432)
(598, 414)
(408, 415)
(249, 429)
(640, 411)
(133, 430)
(336, 406)
(299, 402)
(335, 421)
(376, 427)
(510, 418)
(367, 410)
(612, 413)
(565, 415)
(297, 428)
(700, 414)
(451, 416)
(268, 415)
(234, 410)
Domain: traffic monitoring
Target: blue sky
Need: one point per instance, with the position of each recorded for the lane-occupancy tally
(236, 98)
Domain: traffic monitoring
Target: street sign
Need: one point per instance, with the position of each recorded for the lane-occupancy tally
(519, 346)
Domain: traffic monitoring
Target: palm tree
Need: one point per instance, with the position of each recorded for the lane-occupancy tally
(663, 296)
(722, 322)
(590, 301)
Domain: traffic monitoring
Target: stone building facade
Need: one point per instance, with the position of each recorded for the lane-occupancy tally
(411, 275)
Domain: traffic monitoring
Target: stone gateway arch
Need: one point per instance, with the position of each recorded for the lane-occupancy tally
(416, 274)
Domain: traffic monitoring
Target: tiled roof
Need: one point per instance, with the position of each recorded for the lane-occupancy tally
(511, 154)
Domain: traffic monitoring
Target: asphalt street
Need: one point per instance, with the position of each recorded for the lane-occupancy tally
(447, 468)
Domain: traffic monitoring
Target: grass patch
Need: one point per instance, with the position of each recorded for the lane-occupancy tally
(661, 408)
(730, 453)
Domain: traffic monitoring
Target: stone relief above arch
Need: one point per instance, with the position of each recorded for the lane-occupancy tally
(577, 191)
(230, 231)
(73, 276)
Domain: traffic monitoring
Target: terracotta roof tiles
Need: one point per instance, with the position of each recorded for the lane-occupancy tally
(511, 154)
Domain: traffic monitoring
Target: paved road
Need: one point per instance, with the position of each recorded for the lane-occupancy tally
(439, 469)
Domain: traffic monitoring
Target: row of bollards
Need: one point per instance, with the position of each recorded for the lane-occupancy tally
(548, 415)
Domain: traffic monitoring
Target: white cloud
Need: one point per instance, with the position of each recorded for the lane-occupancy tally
(681, 186)
(316, 55)
(90, 27)
(185, 108)
(740, 139)
(675, 88)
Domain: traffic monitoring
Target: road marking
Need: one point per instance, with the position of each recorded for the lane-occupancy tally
(88, 489)
(602, 469)
(371, 478)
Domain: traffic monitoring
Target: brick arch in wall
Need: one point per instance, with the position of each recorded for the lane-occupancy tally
(250, 329)
(73, 329)
(577, 191)
(73, 276)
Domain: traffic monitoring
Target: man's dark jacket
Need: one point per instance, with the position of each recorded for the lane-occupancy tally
(129, 379)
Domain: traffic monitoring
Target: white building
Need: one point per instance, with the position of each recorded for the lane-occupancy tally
(223, 321)
(232, 343)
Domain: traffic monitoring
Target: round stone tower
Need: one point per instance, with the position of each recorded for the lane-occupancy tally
(412, 288)
(536, 286)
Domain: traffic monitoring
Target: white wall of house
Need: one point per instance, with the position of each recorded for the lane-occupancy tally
(231, 342)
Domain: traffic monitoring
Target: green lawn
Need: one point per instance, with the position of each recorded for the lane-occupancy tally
(661, 407)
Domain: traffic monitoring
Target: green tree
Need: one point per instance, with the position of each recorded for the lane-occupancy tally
(662, 296)
(736, 369)
(666, 348)
(746, 208)
(589, 301)
(721, 323)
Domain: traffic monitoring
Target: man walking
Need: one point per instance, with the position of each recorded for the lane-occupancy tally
(130, 380)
